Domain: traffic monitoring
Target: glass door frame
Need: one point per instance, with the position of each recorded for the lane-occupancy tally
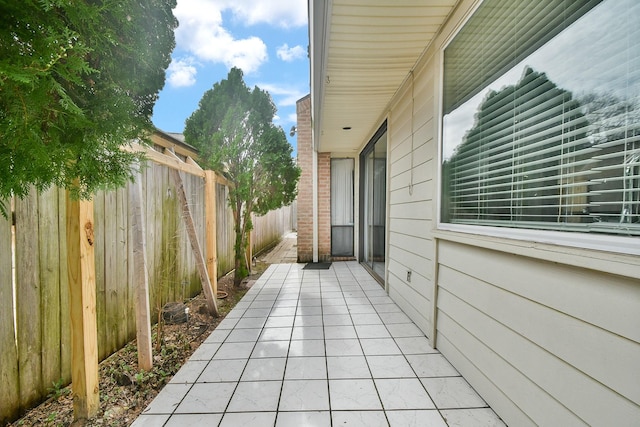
(364, 209)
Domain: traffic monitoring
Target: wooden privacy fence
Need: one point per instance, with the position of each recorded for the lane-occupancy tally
(35, 337)
(267, 229)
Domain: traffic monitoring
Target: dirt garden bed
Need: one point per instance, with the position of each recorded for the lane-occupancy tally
(124, 391)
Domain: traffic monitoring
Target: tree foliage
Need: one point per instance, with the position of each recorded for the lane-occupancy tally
(234, 131)
(78, 80)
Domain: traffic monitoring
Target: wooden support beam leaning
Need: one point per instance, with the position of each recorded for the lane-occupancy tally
(164, 159)
(195, 245)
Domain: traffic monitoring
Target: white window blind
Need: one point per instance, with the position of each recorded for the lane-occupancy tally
(342, 207)
(542, 117)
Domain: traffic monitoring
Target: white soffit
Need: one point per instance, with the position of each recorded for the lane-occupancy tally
(369, 50)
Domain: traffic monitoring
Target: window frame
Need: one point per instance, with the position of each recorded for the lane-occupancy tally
(519, 237)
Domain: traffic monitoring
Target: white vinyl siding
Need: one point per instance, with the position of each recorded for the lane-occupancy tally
(542, 342)
(412, 201)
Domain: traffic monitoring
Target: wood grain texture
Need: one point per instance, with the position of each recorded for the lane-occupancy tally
(195, 245)
(140, 276)
(9, 383)
(29, 302)
(50, 285)
(82, 288)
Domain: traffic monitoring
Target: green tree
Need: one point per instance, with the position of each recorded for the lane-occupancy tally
(234, 131)
(78, 80)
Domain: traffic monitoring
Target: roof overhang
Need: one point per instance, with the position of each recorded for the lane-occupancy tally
(361, 52)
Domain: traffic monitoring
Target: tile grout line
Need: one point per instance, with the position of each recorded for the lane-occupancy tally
(286, 360)
(224, 413)
(375, 386)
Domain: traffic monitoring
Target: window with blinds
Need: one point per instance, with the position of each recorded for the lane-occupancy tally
(541, 124)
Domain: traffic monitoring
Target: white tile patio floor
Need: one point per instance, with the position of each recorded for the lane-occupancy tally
(317, 348)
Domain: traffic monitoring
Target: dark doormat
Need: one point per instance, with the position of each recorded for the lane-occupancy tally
(317, 266)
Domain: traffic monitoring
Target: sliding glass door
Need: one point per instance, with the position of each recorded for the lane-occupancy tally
(373, 199)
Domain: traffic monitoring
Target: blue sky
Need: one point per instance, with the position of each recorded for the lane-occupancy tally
(267, 39)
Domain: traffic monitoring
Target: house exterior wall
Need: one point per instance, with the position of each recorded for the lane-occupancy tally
(305, 184)
(324, 207)
(547, 334)
(305, 216)
(411, 200)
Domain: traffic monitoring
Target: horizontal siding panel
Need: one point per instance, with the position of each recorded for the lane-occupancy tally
(417, 210)
(423, 110)
(607, 301)
(424, 153)
(416, 262)
(423, 166)
(424, 133)
(401, 180)
(423, 171)
(400, 160)
(401, 135)
(413, 304)
(557, 380)
(413, 244)
(600, 354)
(420, 228)
(484, 369)
(421, 191)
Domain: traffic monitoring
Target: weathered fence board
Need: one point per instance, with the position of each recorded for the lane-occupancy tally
(29, 302)
(9, 389)
(224, 232)
(65, 303)
(111, 287)
(101, 292)
(269, 228)
(122, 268)
(49, 263)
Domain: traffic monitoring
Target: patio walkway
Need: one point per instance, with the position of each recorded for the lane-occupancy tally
(285, 252)
(317, 348)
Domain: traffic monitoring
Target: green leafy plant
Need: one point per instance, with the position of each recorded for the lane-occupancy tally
(234, 131)
(57, 389)
(78, 81)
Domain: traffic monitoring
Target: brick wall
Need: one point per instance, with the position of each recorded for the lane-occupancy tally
(324, 207)
(305, 185)
(305, 190)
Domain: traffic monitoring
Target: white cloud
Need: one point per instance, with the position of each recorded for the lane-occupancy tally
(201, 33)
(286, 122)
(283, 96)
(181, 73)
(290, 54)
(281, 13)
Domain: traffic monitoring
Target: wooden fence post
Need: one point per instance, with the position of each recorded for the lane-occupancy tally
(82, 298)
(140, 277)
(210, 228)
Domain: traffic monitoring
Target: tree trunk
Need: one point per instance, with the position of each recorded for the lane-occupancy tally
(240, 264)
